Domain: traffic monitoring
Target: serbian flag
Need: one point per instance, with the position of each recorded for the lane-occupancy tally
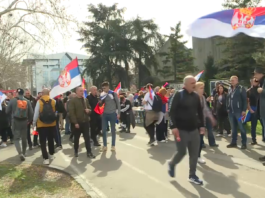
(228, 23)
(151, 92)
(69, 79)
(198, 76)
(84, 87)
(246, 118)
(118, 88)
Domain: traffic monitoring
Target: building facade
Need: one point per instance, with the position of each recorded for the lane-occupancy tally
(44, 70)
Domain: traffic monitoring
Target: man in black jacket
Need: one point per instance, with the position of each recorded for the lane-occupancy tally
(95, 119)
(186, 117)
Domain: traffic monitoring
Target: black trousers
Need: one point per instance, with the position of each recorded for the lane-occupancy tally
(83, 128)
(3, 133)
(9, 132)
(29, 135)
(95, 125)
(47, 133)
(125, 119)
(161, 130)
(223, 124)
(151, 131)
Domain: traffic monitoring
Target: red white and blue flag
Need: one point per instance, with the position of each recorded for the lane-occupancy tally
(198, 76)
(151, 92)
(228, 23)
(117, 89)
(69, 79)
(100, 109)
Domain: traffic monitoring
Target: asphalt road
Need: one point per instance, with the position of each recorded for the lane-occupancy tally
(136, 170)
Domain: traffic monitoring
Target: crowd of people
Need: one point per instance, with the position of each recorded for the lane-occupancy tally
(188, 112)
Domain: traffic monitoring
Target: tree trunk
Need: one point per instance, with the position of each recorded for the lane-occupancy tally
(139, 65)
(109, 73)
(127, 80)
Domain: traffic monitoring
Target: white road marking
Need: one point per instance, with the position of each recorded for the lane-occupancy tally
(95, 189)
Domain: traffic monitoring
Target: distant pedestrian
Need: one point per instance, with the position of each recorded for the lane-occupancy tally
(22, 114)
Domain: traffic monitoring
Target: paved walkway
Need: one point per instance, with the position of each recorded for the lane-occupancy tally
(138, 171)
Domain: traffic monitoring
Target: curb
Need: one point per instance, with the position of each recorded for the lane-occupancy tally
(90, 192)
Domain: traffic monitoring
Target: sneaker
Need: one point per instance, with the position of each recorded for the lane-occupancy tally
(201, 161)
(3, 145)
(151, 143)
(253, 143)
(97, 144)
(194, 179)
(262, 159)
(36, 146)
(91, 156)
(103, 149)
(22, 157)
(30, 147)
(128, 131)
(162, 141)
(113, 148)
(232, 145)
(171, 170)
(46, 162)
(229, 134)
(214, 145)
(243, 146)
(51, 157)
(59, 147)
(219, 135)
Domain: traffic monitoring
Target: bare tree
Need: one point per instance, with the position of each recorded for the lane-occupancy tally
(38, 19)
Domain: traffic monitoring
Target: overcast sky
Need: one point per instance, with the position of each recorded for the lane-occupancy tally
(166, 14)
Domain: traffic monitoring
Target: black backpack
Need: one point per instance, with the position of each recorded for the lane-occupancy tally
(47, 116)
(157, 104)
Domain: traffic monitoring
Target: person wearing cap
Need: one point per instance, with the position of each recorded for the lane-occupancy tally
(19, 122)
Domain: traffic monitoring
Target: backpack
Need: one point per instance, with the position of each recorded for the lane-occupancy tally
(157, 104)
(21, 111)
(47, 116)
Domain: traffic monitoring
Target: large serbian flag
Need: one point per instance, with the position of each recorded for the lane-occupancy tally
(228, 23)
(100, 109)
(69, 79)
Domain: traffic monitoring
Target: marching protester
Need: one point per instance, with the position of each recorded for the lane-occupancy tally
(79, 110)
(236, 107)
(111, 113)
(33, 101)
(126, 107)
(151, 116)
(161, 128)
(207, 114)
(252, 96)
(70, 97)
(186, 117)
(95, 119)
(58, 107)
(4, 125)
(22, 114)
(219, 109)
(45, 121)
(67, 122)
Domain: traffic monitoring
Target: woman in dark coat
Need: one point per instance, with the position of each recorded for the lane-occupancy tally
(4, 125)
(220, 111)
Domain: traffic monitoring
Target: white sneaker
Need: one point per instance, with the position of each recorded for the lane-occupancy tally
(229, 135)
(162, 141)
(3, 145)
(201, 161)
(46, 162)
(51, 157)
(113, 148)
(219, 135)
(103, 149)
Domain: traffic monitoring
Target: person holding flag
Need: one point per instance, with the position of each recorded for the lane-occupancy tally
(110, 114)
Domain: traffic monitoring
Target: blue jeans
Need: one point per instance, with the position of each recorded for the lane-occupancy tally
(233, 118)
(112, 119)
(209, 128)
(67, 126)
(262, 122)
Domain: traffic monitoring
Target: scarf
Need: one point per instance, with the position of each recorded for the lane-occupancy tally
(163, 98)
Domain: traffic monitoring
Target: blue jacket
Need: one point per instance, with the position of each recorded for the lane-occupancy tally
(237, 100)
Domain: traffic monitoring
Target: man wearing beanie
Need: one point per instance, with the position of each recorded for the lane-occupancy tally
(21, 112)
